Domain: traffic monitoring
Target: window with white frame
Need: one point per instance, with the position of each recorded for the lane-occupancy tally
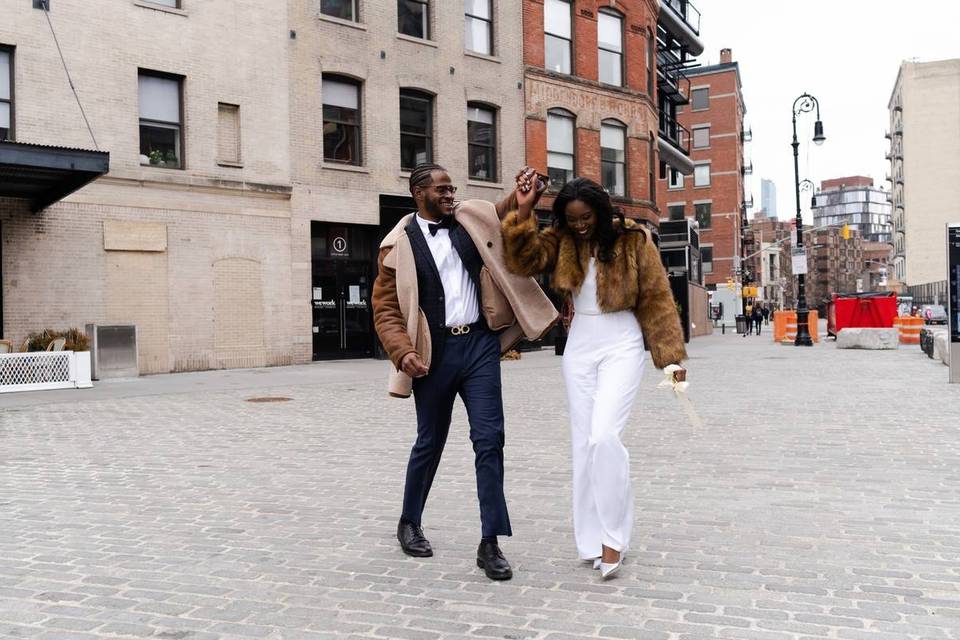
(613, 157)
(413, 18)
(610, 47)
(675, 178)
(343, 9)
(478, 26)
(676, 211)
(701, 137)
(561, 130)
(341, 120)
(6, 94)
(558, 35)
(160, 120)
(481, 142)
(701, 175)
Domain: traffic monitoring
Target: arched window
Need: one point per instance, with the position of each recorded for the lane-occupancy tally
(561, 146)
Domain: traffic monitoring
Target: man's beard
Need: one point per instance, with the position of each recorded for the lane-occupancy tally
(434, 208)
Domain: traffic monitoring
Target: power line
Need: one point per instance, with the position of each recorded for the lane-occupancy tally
(46, 12)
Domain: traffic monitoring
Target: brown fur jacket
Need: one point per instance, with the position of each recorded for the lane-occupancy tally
(635, 279)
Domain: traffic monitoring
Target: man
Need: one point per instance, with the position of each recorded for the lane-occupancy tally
(445, 308)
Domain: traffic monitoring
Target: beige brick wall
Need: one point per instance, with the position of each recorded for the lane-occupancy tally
(322, 192)
(238, 238)
(218, 293)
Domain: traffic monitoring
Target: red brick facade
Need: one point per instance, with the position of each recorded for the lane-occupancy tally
(592, 102)
(724, 151)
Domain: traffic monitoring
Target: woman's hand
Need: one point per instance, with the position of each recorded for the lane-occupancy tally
(529, 188)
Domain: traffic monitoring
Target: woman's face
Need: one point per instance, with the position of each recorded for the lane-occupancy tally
(581, 219)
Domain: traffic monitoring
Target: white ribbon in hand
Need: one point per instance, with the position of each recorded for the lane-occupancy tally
(680, 390)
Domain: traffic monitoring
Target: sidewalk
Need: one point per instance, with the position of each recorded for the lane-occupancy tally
(819, 500)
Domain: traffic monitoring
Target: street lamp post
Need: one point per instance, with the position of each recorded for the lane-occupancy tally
(804, 104)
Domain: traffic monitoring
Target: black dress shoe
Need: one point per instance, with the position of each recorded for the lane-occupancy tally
(412, 541)
(491, 560)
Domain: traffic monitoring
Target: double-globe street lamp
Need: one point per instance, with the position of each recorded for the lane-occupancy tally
(804, 104)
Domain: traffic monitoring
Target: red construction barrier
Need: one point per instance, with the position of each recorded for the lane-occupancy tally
(866, 310)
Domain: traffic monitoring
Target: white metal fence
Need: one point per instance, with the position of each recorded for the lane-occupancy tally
(41, 370)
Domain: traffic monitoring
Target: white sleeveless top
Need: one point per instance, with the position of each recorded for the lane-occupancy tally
(585, 300)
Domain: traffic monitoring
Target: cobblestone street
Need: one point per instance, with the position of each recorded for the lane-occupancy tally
(819, 499)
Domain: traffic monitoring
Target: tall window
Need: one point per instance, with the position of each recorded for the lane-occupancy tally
(700, 99)
(6, 94)
(161, 115)
(706, 258)
(610, 43)
(482, 142)
(703, 212)
(413, 18)
(701, 137)
(416, 128)
(341, 120)
(613, 158)
(557, 35)
(478, 26)
(344, 9)
(561, 127)
(675, 177)
(650, 66)
(701, 175)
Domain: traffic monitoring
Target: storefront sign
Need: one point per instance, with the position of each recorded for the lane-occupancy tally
(338, 245)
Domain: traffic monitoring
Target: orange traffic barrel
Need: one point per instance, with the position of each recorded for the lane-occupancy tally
(909, 329)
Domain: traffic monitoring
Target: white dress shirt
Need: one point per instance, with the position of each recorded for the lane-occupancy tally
(459, 292)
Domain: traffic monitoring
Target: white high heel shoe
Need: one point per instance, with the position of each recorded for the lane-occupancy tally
(609, 569)
(597, 562)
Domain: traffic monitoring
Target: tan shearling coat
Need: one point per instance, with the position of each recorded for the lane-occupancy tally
(515, 306)
(635, 279)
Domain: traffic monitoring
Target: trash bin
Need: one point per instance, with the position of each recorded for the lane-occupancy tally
(741, 324)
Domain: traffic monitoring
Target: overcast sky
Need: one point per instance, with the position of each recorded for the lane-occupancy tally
(844, 52)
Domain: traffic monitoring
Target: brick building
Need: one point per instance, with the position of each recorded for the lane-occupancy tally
(246, 193)
(834, 264)
(592, 83)
(714, 195)
(769, 267)
(385, 85)
(188, 235)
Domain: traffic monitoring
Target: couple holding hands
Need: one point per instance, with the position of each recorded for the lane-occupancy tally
(455, 289)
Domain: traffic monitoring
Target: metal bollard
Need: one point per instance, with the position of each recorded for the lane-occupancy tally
(723, 329)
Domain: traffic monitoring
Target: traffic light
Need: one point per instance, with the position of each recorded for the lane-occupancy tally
(845, 232)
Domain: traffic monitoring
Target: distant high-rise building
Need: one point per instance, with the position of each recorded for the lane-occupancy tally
(768, 197)
(924, 157)
(854, 201)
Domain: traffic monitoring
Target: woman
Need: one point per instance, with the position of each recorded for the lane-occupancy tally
(610, 269)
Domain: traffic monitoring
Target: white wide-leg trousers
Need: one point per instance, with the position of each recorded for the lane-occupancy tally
(602, 366)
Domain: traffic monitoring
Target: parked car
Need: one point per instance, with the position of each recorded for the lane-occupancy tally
(933, 314)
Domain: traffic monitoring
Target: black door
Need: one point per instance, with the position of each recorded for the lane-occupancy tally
(341, 294)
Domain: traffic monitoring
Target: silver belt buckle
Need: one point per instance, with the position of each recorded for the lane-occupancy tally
(460, 330)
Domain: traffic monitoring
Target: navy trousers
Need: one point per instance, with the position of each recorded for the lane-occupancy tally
(469, 366)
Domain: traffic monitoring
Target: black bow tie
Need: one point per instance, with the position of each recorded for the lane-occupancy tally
(445, 223)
